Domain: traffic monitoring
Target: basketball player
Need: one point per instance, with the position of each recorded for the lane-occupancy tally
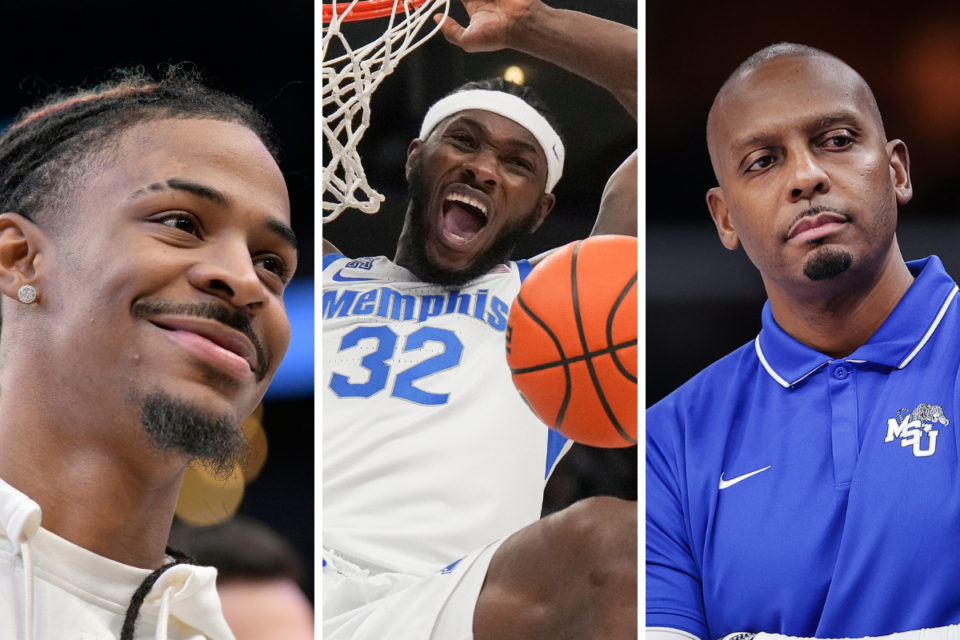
(431, 458)
(806, 484)
(145, 243)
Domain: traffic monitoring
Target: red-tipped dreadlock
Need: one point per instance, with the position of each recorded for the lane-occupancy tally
(42, 152)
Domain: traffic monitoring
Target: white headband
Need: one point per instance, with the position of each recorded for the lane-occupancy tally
(510, 107)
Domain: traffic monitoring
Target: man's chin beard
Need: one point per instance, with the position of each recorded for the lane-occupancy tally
(177, 426)
(827, 263)
(415, 239)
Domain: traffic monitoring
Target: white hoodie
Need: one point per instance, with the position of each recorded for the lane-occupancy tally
(51, 589)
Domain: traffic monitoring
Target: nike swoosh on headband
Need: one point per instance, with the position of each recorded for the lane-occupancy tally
(729, 483)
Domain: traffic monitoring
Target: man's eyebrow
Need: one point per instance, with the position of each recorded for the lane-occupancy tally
(758, 139)
(277, 227)
(283, 231)
(821, 122)
(516, 142)
(197, 189)
(835, 118)
(203, 191)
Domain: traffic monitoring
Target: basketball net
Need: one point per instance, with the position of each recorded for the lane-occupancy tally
(348, 83)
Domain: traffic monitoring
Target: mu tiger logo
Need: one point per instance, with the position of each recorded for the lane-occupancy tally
(912, 427)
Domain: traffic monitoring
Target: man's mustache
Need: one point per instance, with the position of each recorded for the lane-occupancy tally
(208, 310)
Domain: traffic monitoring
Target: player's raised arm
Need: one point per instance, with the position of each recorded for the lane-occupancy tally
(328, 247)
(618, 206)
(601, 51)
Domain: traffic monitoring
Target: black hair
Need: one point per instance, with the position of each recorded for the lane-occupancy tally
(41, 150)
(45, 152)
(527, 94)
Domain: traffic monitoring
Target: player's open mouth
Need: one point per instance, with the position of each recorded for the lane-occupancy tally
(213, 342)
(463, 215)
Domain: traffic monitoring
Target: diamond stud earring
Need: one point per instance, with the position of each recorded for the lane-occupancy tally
(27, 294)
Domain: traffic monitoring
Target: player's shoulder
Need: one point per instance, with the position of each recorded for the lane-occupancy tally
(329, 259)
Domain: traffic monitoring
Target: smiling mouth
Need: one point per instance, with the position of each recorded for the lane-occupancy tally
(462, 217)
(214, 343)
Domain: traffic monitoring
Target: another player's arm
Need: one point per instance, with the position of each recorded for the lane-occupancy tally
(328, 247)
(618, 206)
(601, 51)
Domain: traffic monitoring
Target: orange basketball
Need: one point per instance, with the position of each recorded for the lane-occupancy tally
(572, 341)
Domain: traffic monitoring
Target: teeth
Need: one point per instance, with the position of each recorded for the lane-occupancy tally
(459, 197)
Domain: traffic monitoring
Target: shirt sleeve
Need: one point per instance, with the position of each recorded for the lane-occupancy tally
(330, 258)
(674, 588)
(665, 633)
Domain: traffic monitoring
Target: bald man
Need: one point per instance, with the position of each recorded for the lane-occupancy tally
(806, 484)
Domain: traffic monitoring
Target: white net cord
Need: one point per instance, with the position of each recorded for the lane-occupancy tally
(347, 84)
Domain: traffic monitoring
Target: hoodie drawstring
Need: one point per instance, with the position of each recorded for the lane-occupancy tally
(27, 585)
(133, 609)
(164, 613)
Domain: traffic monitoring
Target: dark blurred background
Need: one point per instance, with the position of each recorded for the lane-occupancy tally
(264, 55)
(704, 301)
(598, 136)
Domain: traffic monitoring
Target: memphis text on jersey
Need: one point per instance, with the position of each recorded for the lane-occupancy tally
(912, 427)
(385, 302)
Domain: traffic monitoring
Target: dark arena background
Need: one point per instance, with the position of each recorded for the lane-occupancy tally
(704, 301)
(598, 136)
(265, 55)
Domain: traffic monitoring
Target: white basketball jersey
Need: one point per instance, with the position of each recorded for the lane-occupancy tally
(429, 452)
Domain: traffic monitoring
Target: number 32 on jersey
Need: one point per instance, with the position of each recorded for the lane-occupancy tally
(376, 364)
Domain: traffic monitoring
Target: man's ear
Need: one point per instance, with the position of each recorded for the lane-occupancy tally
(413, 151)
(546, 206)
(900, 170)
(20, 253)
(721, 217)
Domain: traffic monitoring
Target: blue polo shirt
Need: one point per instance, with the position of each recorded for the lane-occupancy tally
(791, 493)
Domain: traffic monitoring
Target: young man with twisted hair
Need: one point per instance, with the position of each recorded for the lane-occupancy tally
(145, 243)
(806, 484)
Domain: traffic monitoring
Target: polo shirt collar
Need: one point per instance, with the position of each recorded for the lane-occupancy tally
(902, 335)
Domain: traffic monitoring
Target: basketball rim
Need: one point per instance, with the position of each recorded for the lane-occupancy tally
(365, 9)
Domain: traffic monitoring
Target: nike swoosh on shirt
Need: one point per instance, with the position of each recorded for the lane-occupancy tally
(339, 278)
(729, 483)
